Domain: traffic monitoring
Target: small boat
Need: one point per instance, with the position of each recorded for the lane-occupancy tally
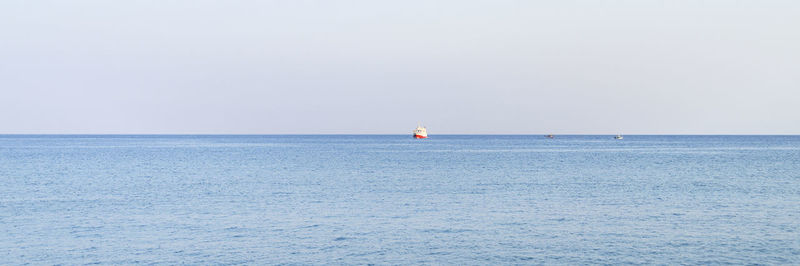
(549, 136)
(420, 132)
(618, 137)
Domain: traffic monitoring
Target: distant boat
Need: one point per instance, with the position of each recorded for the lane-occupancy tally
(420, 132)
(549, 136)
(618, 137)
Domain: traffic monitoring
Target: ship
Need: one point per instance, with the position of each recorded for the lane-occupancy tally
(420, 132)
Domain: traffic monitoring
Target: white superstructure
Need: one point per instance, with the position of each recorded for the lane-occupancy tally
(420, 132)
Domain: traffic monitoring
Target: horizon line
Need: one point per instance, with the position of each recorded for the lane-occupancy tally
(369, 134)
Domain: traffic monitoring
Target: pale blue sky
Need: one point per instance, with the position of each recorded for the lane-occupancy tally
(379, 67)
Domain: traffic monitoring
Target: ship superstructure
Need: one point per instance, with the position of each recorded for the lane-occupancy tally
(421, 132)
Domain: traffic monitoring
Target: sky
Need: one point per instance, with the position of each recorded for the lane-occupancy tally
(382, 67)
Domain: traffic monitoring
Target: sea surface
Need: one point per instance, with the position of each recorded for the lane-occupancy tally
(391, 199)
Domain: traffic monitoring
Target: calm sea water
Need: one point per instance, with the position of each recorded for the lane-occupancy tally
(396, 200)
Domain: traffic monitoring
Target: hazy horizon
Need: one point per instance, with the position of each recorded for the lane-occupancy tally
(363, 67)
(376, 134)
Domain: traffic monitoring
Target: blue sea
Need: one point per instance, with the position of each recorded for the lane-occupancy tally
(392, 199)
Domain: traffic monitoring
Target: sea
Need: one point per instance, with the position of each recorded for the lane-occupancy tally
(392, 199)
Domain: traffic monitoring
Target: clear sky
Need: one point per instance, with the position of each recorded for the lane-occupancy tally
(379, 67)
